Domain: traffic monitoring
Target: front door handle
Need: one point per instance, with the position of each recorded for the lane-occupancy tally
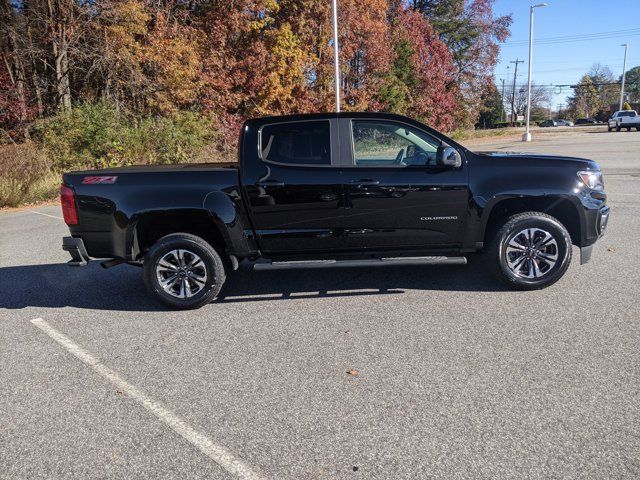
(365, 182)
(270, 183)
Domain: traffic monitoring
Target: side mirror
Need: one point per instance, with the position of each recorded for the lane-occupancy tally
(448, 156)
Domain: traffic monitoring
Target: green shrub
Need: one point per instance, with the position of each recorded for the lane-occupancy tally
(25, 175)
(98, 135)
(165, 140)
(84, 137)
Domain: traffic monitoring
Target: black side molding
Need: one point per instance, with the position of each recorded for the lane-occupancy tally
(77, 250)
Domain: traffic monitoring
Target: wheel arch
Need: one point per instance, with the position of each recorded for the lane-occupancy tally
(150, 226)
(557, 206)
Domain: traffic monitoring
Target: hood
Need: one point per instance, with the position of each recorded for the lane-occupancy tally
(544, 159)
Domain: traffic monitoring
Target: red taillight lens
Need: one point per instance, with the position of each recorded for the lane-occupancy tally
(68, 201)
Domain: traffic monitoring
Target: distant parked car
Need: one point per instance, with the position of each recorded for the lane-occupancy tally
(586, 121)
(548, 123)
(624, 119)
(564, 123)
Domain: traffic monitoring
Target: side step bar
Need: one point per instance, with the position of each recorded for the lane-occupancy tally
(368, 262)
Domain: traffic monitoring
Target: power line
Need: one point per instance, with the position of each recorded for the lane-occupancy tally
(577, 38)
(571, 69)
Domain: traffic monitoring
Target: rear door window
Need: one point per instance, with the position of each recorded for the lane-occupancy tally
(297, 143)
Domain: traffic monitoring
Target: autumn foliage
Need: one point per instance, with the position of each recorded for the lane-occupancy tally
(234, 59)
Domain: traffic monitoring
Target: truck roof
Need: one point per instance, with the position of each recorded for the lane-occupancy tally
(328, 115)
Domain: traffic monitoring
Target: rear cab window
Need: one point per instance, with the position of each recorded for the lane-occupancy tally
(296, 143)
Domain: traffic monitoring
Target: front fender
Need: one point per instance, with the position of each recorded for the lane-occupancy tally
(571, 209)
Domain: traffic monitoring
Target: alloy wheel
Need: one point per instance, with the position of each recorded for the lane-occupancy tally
(531, 253)
(181, 273)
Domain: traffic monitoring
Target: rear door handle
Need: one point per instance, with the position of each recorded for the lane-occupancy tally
(270, 183)
(365, 182)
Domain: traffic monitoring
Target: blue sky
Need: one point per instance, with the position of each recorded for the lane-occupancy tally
(565, 62)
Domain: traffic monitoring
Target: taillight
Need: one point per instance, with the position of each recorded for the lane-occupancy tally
(68, 201)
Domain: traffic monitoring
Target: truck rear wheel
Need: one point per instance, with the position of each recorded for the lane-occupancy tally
(183, 271)
(532, 250)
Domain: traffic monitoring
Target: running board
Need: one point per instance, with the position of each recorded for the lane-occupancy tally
(369, 262)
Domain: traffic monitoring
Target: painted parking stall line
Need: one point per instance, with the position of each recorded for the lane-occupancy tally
(217, 453)
(45, 215)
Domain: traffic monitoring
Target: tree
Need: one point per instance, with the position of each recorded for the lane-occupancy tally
(421, 70)
(492, 109)
(585, 100)
(632, 84)
(472, 33)
(601, 76)
(395, 90)
(540, 98)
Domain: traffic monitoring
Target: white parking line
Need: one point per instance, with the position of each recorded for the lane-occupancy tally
(45, 214)
(217, 453)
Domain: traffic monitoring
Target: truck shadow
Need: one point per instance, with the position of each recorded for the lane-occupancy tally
(58, 285)
(122, 288)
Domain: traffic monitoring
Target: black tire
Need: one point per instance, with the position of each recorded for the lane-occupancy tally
(609, 129)
(212, 268)
(628, 129)
(618, 129)
(540, 222)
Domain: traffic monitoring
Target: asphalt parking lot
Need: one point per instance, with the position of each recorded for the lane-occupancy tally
(456, 377)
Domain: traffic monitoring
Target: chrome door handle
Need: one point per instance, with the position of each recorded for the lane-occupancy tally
(270, 183)
(365, 182)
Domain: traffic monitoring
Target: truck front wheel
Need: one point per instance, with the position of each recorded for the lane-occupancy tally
(532, 250)
(183, 271)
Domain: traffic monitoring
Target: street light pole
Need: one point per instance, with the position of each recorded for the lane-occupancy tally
(527, 135)
(336, 61)
(624, 71)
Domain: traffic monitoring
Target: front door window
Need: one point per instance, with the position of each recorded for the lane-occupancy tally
(390, 144)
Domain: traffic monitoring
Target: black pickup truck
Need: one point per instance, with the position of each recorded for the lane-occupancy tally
(327, 190)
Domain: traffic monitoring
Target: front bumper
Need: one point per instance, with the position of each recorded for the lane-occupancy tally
(600, 224)
(603, 220)
(77, 250)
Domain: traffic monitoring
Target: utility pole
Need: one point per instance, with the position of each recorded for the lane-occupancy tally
(504, 101)
(336, 61)
(513, 91)
(624, 71)
(527, 135)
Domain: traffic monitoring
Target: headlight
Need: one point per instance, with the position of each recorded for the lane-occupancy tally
(592, 180)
